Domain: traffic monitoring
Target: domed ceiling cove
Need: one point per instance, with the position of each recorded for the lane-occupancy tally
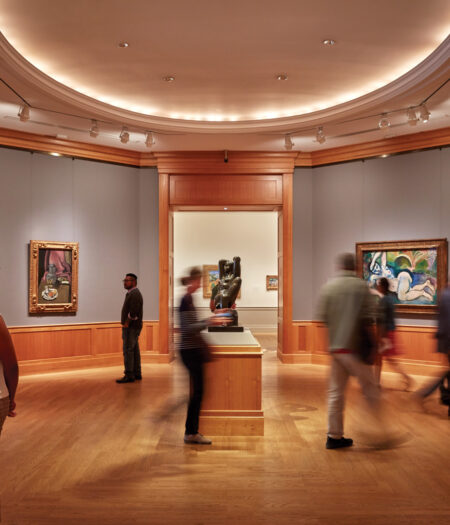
(214, 67)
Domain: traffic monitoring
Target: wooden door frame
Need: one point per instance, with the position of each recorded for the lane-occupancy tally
(242, 164)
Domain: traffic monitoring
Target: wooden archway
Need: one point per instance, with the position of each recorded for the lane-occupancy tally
(240, 181)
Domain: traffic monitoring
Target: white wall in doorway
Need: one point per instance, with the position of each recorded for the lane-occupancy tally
(205, 237)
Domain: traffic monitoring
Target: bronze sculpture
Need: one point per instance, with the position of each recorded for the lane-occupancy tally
(224, 293)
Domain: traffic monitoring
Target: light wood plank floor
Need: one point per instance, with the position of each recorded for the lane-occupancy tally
(85, 450)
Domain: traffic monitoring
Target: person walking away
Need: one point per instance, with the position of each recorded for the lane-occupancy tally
(388, 348)
(131, 319)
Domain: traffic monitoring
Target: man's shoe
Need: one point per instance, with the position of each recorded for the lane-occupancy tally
(338, 443)
(196, 439)
(138, 378)
(125, 379)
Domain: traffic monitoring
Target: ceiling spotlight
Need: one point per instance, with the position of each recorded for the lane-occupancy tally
(123, 44)
(282, 76)
(412, 117)
(424, 114)
(24, 113)
(320, 136)
(149, 139)
(124, 135)
(93, 132)
(288, 143)
(169, 78)
(328, 42)
(384, 123)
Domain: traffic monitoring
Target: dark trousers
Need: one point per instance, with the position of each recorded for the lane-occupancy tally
(193, 361)
(131, 352)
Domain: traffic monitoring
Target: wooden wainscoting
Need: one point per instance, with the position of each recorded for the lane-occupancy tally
(417, 345)
(70, 346)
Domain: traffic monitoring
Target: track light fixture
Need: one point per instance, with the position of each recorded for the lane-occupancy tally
(124, 135)
(94, 131)
(149, 139)
(424, 113)
(412, 117)
(320, 135)
(24, 113)
(288, 143)
(384, 122)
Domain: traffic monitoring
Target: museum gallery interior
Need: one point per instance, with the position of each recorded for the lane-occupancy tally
(255, 141)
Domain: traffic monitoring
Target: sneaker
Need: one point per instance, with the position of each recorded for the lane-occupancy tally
(125, 379)
(339, 443)
(197, 439)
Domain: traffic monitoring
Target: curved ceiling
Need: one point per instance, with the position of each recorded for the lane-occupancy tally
(225, 58)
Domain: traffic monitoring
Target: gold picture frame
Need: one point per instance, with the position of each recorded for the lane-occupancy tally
(271, 282)
(416, 271)
(53, 283)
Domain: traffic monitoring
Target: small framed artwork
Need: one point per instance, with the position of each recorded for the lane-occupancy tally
(53, 281)
(210, 278)
(271, 282)
(416, 271)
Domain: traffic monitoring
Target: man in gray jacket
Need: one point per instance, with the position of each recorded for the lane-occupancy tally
(345, 302)
(131, 319)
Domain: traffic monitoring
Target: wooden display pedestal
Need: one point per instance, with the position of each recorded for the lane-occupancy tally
(232, 401)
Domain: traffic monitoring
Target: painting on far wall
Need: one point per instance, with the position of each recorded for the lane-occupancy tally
(416, 271)
(271, 282)
(53, 277)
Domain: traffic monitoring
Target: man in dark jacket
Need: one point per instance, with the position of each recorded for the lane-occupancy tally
(131, 320)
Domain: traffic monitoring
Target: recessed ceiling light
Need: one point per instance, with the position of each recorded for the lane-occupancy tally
(123, 44)
(54, 154)
(328, 42)
(169, 78)
(282, 76)
(225, 208)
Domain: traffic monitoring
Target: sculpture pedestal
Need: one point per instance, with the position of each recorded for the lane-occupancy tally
(232, 401)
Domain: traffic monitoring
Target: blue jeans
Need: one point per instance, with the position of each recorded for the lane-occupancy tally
(131, 352)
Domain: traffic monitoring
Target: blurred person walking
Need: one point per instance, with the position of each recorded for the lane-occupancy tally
(131, 319)
(345, 305)
(195, 353)
(388, 348)
(9, 374)
(443, 347)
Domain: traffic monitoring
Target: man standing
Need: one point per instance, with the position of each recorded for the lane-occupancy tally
(345, 303)
(131, 320)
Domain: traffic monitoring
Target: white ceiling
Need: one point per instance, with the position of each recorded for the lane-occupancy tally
(62, 57)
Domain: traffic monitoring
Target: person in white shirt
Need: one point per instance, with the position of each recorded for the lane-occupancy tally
(9, 374)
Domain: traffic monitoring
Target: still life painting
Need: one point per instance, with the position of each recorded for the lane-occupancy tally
(53, 280)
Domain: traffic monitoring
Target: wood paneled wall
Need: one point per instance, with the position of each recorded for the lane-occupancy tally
(62, 347)
(416, 343)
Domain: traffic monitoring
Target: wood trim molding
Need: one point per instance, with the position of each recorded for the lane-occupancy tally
(404, 143)
(238, 161)
(71, 346)
(417, 345)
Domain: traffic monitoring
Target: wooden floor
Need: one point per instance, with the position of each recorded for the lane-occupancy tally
(85, 450)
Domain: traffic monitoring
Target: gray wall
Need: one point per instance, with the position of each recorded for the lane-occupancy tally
(96, 204)
(397, 198)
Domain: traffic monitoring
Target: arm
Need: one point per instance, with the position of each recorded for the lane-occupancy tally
(237, 266)
(134, 306)
(9, 361)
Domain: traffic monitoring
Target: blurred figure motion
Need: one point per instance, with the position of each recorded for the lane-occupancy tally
(9, 374)
(443, 347)
(388, 348)
(195, 352)
(345, 305)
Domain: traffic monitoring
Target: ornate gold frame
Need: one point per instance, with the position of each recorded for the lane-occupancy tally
(440, 245)
(34, 306)
(271, 286)
(205, 279)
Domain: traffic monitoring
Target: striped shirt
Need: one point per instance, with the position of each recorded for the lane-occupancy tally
(190, 326)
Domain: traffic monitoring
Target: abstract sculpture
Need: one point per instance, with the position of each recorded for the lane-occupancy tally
(224, 293)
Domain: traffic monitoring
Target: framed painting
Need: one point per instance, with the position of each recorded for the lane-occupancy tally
(416, 271)
(271, 282)
(53, 285)
(210, 278)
